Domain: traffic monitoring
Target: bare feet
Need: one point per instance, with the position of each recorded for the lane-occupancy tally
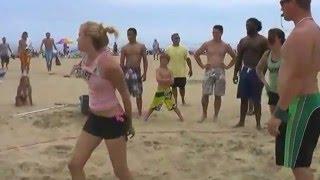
(239, 125)
(203, 118)
(145, 119)
(215, 118)
(259, 127)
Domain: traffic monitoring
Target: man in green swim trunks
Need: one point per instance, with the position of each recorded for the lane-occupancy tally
(296, 120)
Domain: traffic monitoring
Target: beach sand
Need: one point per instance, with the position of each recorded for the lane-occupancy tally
(39, 145)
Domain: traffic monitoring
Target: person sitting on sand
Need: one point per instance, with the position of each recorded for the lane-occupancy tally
(164, 92)
(24, 92)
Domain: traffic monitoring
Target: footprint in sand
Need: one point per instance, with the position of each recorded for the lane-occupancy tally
(147, 143)
(47, 178)
(257, 151)
(28, 166)
(95, 177)
(235, 145)
(25, 178)
(60, 151)
(45, 123)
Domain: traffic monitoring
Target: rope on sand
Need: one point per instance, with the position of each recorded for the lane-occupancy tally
(20, 147)
(57, 106)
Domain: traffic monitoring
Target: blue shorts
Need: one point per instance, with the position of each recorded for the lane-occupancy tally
(250, 86)
(49, 55)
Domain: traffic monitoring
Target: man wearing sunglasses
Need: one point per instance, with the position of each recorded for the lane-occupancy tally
(250, 50)
(178, 61)
(296, 120)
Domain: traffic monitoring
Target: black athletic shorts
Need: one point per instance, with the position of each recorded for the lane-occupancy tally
(106, 128)
(180, 82)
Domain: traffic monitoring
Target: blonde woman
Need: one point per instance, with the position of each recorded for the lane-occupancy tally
(107, 121)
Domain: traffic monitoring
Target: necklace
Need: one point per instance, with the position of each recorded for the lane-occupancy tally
(303, 19)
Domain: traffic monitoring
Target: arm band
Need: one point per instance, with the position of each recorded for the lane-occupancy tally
(281, 114)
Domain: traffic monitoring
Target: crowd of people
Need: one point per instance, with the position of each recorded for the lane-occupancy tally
(292, 64)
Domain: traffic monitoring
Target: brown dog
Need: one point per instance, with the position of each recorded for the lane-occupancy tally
(24, 92)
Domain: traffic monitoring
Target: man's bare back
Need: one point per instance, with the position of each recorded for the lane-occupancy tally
(133, 53)
(216, 52)
(305, 41)
(252, 48)
(48, 43)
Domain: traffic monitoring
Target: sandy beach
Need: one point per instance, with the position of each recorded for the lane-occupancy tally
(38, 146)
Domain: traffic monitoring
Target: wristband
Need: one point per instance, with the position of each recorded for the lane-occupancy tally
(281, 114)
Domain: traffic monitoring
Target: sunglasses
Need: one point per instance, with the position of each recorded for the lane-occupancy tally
(282, 2)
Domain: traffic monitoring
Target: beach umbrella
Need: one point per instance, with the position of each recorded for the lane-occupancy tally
(65, 41)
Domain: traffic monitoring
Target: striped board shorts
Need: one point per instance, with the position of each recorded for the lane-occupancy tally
(299, 136)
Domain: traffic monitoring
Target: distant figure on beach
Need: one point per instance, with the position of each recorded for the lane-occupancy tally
(163, 95)
(296, 119)
(130, 61)
(108, 120)
(24, 92)
(178, 61)
(115, 49)
(214, 77)
(271, 62)
(250, 50)
(156, 49)
(49, 44)
(24, 51)
(4, 53)
(65, 50)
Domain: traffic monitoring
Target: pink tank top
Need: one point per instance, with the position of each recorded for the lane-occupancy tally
(102, 94)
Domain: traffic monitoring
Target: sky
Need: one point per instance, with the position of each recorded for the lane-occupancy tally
(192, 19)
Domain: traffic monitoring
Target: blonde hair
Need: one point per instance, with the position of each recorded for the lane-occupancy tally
(99, 33)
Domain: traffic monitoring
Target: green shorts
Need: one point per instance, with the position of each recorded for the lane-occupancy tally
(163, 97)
(299, 136)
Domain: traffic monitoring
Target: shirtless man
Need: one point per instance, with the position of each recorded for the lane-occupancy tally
(214, 77)
(297, 131)
(130, 61)
(49, 45)
(250, 50)
(24, 53)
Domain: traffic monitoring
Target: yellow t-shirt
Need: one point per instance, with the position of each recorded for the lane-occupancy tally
(178, 63)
